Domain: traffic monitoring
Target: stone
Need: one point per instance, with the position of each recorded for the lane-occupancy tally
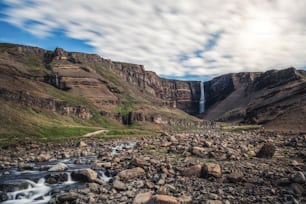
(26, 166)
(56, 178)
(3, 196)
(267, 151)
(211, 169)
(59, 167)
(142, 198)
(138, 162)
(131, 173)
(192, 171)
(298, 177)
(185, 199)
(84, 175)
(82, 144)
(43, 157)
(235, 177)
(71, 196)
(163, 199)
(214, 202)
(118, 185)
(198, 151)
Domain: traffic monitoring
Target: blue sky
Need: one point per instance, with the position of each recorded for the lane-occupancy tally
(178, 39)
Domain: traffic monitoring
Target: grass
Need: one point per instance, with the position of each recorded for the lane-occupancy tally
(239, 128)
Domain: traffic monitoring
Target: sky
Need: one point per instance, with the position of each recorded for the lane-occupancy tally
(179, 39)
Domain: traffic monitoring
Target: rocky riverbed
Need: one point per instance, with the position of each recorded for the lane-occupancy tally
(208, 166)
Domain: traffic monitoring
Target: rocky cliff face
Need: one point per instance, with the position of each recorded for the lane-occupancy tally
(127, 91)
(273, 98)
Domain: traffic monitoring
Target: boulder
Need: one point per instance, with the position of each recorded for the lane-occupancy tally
(211, 169)
(85, 175)
(118, 185)
(82, 144)
(138, 162)
(131, 173)
(198, 151)
(56, 178)
(298, 177)
(43, 157)
(267, 151)
(163, 199)
(142, 198)
(68, 197)
(59, 167)
(192, 171)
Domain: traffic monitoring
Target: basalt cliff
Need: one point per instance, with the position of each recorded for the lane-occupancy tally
(88, 87)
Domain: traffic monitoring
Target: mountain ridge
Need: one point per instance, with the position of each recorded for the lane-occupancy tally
(128, 93)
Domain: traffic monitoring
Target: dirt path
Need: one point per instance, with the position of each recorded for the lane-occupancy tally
(95, 133)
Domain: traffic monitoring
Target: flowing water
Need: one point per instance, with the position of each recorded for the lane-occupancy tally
(30, 186)
(202, 99)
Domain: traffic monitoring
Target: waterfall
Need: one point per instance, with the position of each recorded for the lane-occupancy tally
(202, 99)
(56, 80)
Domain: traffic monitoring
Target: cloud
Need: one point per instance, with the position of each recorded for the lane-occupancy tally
(177, 37)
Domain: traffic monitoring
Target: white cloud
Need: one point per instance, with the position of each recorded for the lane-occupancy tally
(165, 35)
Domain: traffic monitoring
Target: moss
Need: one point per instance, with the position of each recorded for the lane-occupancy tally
(239, 129)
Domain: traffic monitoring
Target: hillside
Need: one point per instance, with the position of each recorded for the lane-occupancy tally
(45, 93)
(42, 91)
(275, 99)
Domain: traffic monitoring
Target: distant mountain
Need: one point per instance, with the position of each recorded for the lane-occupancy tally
(276, 99)
(40, 89)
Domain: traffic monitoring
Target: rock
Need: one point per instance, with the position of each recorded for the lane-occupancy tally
(43, 157)
(59, 167)
(3, 196)
(267, 151)
(298, 189)
(142, 198)
(68, 197)
(85, 175)
(82, 144)
(214, 202)
(138, 162)
(117, 184)
(192, 171)
(26, 166)
(185, 199)
(235, 177)
(298, 177)
(56, 178)
(198, 151)
(131, 173)
(211, 169)
(163, 199)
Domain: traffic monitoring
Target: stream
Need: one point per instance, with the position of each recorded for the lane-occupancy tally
(18, 186)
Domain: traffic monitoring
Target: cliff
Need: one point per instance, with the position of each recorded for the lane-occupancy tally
(84, 85)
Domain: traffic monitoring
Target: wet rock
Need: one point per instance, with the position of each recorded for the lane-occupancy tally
(68, 197)
(43, 157)
(59, 167)
(117, 184)
(192, 171)
(56, 178)
(211, 169)
(163, 199)
(131, 173)
(12, 186)
(267, 151)
(3, 196)
(142, 198)
(85, 175)
(26, 166)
